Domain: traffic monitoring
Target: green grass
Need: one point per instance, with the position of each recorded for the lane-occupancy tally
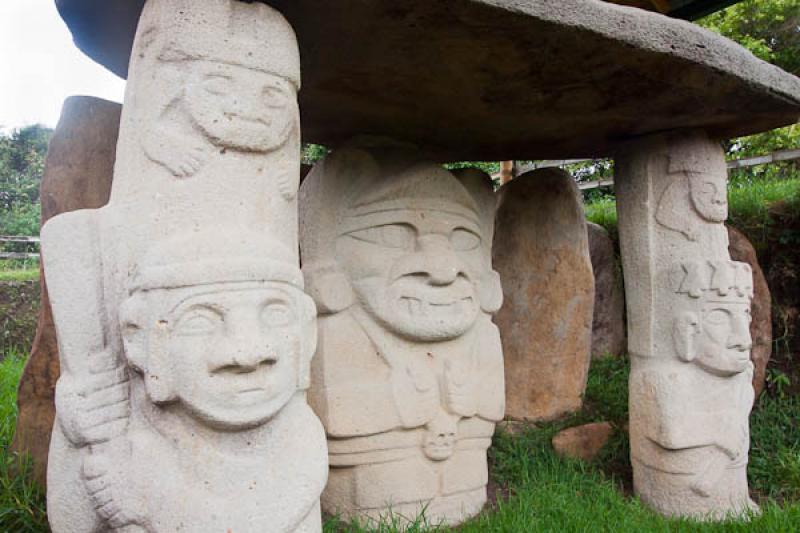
(22, 504)
(548, 493)
(545, 492)
(749, 203)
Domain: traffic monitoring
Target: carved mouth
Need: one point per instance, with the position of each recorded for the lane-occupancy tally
(419, 307)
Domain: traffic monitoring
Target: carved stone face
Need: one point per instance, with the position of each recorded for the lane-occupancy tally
(709, 192)
(231, 352)
(416, 271)
(440, 438)
(719, 341)
(240, 108)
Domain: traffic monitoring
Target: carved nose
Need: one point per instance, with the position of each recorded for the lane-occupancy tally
(740, 338)
(438, 260)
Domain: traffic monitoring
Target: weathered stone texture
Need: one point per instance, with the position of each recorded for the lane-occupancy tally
(583, 442)
(185, 337)
(541, 251)
(408, 376)
(78, 173)
(608, 325)
(742, 250)
(501, 79)
(689, 328)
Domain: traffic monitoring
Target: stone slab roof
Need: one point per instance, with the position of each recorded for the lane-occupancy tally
(499, 79)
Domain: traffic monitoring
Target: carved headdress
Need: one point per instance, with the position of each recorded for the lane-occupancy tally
(351, 182)
(246, 29)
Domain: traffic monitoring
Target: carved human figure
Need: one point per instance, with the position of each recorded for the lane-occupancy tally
(218, 351)
(689, 328)
(697, 179)
(408, 379)
(184, 334)
(693, 433)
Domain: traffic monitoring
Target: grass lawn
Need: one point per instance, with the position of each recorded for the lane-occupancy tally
(544, 492)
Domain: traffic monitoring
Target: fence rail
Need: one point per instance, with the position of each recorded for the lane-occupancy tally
(23, 240)
(747, 162)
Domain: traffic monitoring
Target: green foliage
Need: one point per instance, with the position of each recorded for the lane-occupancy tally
(22, 503)
(770, 29)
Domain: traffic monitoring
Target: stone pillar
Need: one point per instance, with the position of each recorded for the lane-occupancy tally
(185, 336)
(408, 377)
(688, 328)
(77, 175)
(541, 251)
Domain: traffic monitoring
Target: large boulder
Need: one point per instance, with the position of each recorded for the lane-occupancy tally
(742, 250)
(77, 175)
(608, 327)
(541, 251)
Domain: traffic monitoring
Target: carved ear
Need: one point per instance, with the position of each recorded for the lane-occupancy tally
(491, 293)
(145, 349)
(158, 372)
(308, 346)
(684, 330)
(329, 287)
(134, 339)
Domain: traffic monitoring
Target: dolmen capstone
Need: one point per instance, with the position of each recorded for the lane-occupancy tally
(184, 333)
(662, 94)
(541, 251)
(408, 376)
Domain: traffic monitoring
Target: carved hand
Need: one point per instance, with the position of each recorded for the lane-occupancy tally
(111, 486)
(461, 392)
(416, 395)
(95, 408)
(182, 154)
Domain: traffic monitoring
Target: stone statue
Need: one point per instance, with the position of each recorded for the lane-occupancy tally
(689, 328)
(408, 376)
(694, 432)
(185, 335)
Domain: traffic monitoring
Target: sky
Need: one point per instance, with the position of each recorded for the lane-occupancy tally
(40, 66)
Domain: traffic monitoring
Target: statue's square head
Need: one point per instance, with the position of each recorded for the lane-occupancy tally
(226, 336)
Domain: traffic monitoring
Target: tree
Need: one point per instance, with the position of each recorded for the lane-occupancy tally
(770, 29)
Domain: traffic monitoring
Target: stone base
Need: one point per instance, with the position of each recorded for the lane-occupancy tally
(672, 494)
(447, 492)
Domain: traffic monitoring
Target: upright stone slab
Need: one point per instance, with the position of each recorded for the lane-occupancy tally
(408, 378)
(608, 324)
(77, 175)
(688, 328)
(185, 336)
(741, 249)
(541, 251)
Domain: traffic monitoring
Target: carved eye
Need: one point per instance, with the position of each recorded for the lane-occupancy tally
(275, 96)
(218, 85)
(464, 240)
(709, 188)
(277, 314)
(199, 321)
(398, 236)
(717, 317)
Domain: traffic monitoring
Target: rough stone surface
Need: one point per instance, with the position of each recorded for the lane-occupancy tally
(688, 326)
(408, 377)
(501, 79)
(541, 251)
(742, 250)
(608, 325)
(77, 175)
(583, 442)
(184, 333)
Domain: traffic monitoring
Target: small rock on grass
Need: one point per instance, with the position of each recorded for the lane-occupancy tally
(583, 442)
